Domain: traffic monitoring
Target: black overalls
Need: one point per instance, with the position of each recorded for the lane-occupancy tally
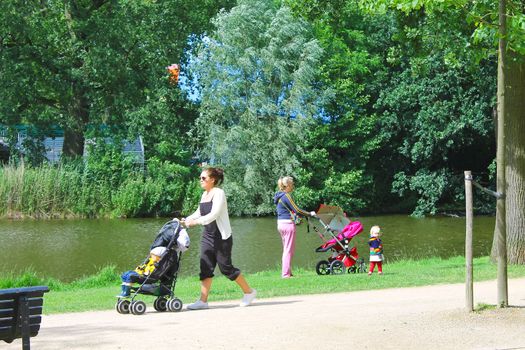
(215, 250)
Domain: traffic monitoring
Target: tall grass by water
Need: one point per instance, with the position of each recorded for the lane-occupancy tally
(98, 292)
(50, 192)
(86, 191)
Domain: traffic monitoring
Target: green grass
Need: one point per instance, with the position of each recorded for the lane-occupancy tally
(98, 292)
(482, 307)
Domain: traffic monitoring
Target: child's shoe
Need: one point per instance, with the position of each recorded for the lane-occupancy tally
(125, 291)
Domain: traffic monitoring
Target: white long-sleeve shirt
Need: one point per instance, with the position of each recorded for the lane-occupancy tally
(218, 213)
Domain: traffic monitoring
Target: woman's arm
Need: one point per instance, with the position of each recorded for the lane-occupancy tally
(290, 202)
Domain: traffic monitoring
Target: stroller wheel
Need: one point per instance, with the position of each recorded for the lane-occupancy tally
(352, 269)
(122, 306)
(337, 267)
(160, 304)
(138, 307)
(362, 267)
(323, 267)
(174, 305)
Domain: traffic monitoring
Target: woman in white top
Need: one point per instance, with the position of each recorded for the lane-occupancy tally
(217, 241)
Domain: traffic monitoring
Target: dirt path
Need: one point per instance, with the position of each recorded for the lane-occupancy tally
(410, 318)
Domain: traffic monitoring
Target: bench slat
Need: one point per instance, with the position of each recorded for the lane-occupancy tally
(7, 332)
(9, 309)
(29, 291)
(9, 304)
(8, 321)
(34, 310)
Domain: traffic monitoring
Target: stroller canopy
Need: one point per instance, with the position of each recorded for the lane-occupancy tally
(170, 235)
(333, 216)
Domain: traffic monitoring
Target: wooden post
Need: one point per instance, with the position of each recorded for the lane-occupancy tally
(469, 288)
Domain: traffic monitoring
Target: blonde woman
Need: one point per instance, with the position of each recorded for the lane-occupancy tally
(217, 241)
(286, 207)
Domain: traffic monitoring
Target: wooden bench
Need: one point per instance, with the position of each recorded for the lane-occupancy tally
(21, 313)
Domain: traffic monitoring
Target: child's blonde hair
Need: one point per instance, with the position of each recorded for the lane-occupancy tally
(284, 182)
(375, 231)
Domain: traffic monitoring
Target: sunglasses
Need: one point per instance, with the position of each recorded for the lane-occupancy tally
(204, 178)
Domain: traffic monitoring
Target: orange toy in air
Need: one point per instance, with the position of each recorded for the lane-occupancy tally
(173, 71)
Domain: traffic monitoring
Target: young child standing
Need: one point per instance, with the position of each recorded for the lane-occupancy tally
(376, 250)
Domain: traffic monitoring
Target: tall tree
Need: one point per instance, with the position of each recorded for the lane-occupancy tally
(337, 164)
(256, 73)
(79, 62)
(484, 14)
(407, 112)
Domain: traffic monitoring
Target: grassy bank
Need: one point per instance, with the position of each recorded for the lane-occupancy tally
(98, 292)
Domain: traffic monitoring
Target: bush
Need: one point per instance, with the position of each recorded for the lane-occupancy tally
(346, 190)
(192, 198)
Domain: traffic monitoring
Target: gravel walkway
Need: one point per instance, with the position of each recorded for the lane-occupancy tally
(409, 318)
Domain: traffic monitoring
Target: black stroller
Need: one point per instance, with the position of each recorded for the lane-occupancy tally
(161, 282)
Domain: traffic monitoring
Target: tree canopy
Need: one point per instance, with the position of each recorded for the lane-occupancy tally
(376, 106)
(256, 73)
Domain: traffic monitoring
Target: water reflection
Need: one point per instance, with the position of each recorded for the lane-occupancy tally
(68, 249)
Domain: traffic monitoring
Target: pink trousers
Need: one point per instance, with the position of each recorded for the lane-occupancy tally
(287, 231)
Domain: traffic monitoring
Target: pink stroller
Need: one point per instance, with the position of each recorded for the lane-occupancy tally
(344, 257)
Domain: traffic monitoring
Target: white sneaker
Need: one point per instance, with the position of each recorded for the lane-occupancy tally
(247, 299)
(198, 305)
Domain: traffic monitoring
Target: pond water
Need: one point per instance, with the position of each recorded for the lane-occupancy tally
(69, 249)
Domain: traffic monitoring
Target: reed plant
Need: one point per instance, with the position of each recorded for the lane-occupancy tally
(84, 190)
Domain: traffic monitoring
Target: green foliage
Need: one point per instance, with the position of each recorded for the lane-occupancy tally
(26, 279)
(433, 121)
(135, 198)
(361, 101)
(105, 160)
(256, 73)
(80, 63)
(106, 276)
(192, 198)
(171, 180)
(429, 186)
(346, 190)
(90, 190)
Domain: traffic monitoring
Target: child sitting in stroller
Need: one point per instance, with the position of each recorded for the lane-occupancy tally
(157, 276)
(131, 276)
(170, 235)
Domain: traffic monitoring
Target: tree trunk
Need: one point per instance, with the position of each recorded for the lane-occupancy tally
(515, 160)
(500, 232)
(74, 132)
(73, 143)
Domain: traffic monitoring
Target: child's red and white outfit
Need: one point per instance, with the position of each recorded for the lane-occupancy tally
(376, 254)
